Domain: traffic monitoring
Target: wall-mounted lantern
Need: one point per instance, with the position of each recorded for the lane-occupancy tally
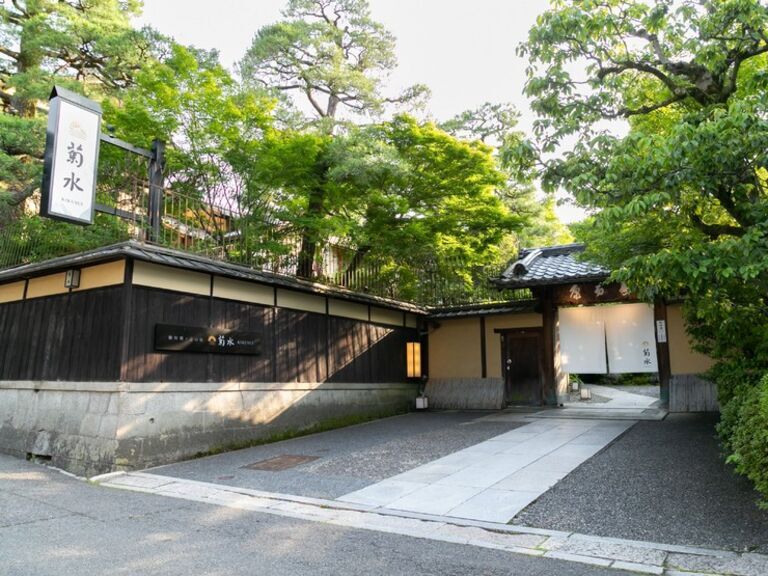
(413, 359)
(72, 278)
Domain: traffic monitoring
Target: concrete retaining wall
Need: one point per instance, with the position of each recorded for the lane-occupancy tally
(90, 428)
(465, 393)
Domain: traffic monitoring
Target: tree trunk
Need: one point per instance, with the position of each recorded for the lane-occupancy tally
(29, 59)
(309, 234)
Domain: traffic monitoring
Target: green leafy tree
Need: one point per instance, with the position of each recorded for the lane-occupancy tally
(87, 46)
(681, 203)
(496, 125)
(336, 57)
(425, 197)
(209, 124)
(407, 195)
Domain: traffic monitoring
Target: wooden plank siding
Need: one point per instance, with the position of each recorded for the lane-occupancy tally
(82, 336)
(72, 336)
(296, 346)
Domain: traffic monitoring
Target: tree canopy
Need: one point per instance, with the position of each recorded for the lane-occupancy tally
(681, 199)
(332, 53)
(301, 151)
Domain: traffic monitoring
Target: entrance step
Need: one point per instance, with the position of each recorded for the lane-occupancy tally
(598, 413)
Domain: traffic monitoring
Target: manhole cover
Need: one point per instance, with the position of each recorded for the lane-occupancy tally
(278, 463)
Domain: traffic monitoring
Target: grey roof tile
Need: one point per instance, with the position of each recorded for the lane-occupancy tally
(170, 257)
(552, 265)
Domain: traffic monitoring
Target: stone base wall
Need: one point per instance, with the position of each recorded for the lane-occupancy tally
(89, 428)
(692, 393)
(465, 393)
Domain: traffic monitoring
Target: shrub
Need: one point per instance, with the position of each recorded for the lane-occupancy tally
(748, 441)
(735, 379)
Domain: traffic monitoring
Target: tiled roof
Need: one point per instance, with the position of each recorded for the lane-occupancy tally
(474, 310)
(178, 259)
(550, 266)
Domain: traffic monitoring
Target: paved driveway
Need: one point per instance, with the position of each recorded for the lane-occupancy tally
(495, 479)
(334, 463)
(660, 481)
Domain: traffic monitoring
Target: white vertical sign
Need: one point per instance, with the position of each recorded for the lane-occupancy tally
(71, 158)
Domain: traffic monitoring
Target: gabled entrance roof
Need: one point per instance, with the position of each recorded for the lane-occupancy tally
(550, 266)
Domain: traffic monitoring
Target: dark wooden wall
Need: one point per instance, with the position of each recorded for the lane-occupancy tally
(77, 336)
(71, 336)
(296, 346)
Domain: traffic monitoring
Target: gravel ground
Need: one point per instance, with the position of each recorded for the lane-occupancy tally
(348, 459)
(663, 482)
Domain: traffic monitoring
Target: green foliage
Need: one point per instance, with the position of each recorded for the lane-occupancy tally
(330, 52)
(32, 239)
(208, 121)
(632, 379)
(496, 125)
(680, 202)
(403, 193)
(748, 439)
(88, 47)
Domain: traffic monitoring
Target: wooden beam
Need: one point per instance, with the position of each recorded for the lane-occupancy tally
(662, 348)
(126, 323)
(548, 312)
(483, 356)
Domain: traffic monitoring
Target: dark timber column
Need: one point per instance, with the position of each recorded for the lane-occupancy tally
(483, 358)
(126, 302)
(662, 348)
(548, 341)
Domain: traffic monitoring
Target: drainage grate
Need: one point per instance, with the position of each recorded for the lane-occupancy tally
(278, 463)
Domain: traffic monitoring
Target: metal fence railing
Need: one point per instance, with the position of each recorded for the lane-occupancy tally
(219, 226)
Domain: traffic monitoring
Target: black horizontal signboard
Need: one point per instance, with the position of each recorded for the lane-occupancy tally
(171, 338)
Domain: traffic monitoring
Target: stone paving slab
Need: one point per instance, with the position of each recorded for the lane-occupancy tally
(741, 565)
(626, 555)
(434, 499)
(497, 478)
(494, 505)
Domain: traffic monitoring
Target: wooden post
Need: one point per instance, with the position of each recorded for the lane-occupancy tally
(126, 321)
(662, 348)
(548, 310)
(483, 353)
(156, 166)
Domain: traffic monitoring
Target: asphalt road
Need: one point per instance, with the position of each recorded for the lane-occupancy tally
(661, 482)
(54, 525)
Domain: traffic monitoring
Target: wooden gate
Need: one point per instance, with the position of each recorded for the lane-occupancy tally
(521, 358)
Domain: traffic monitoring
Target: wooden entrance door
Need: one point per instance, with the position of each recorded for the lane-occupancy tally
(521, 357)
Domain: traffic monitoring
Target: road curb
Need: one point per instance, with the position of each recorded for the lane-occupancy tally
(628, 555)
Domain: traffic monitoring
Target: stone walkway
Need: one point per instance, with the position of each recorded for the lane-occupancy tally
(620, 405)
(493, 480)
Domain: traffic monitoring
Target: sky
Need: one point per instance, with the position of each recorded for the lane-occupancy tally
(465, 51)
